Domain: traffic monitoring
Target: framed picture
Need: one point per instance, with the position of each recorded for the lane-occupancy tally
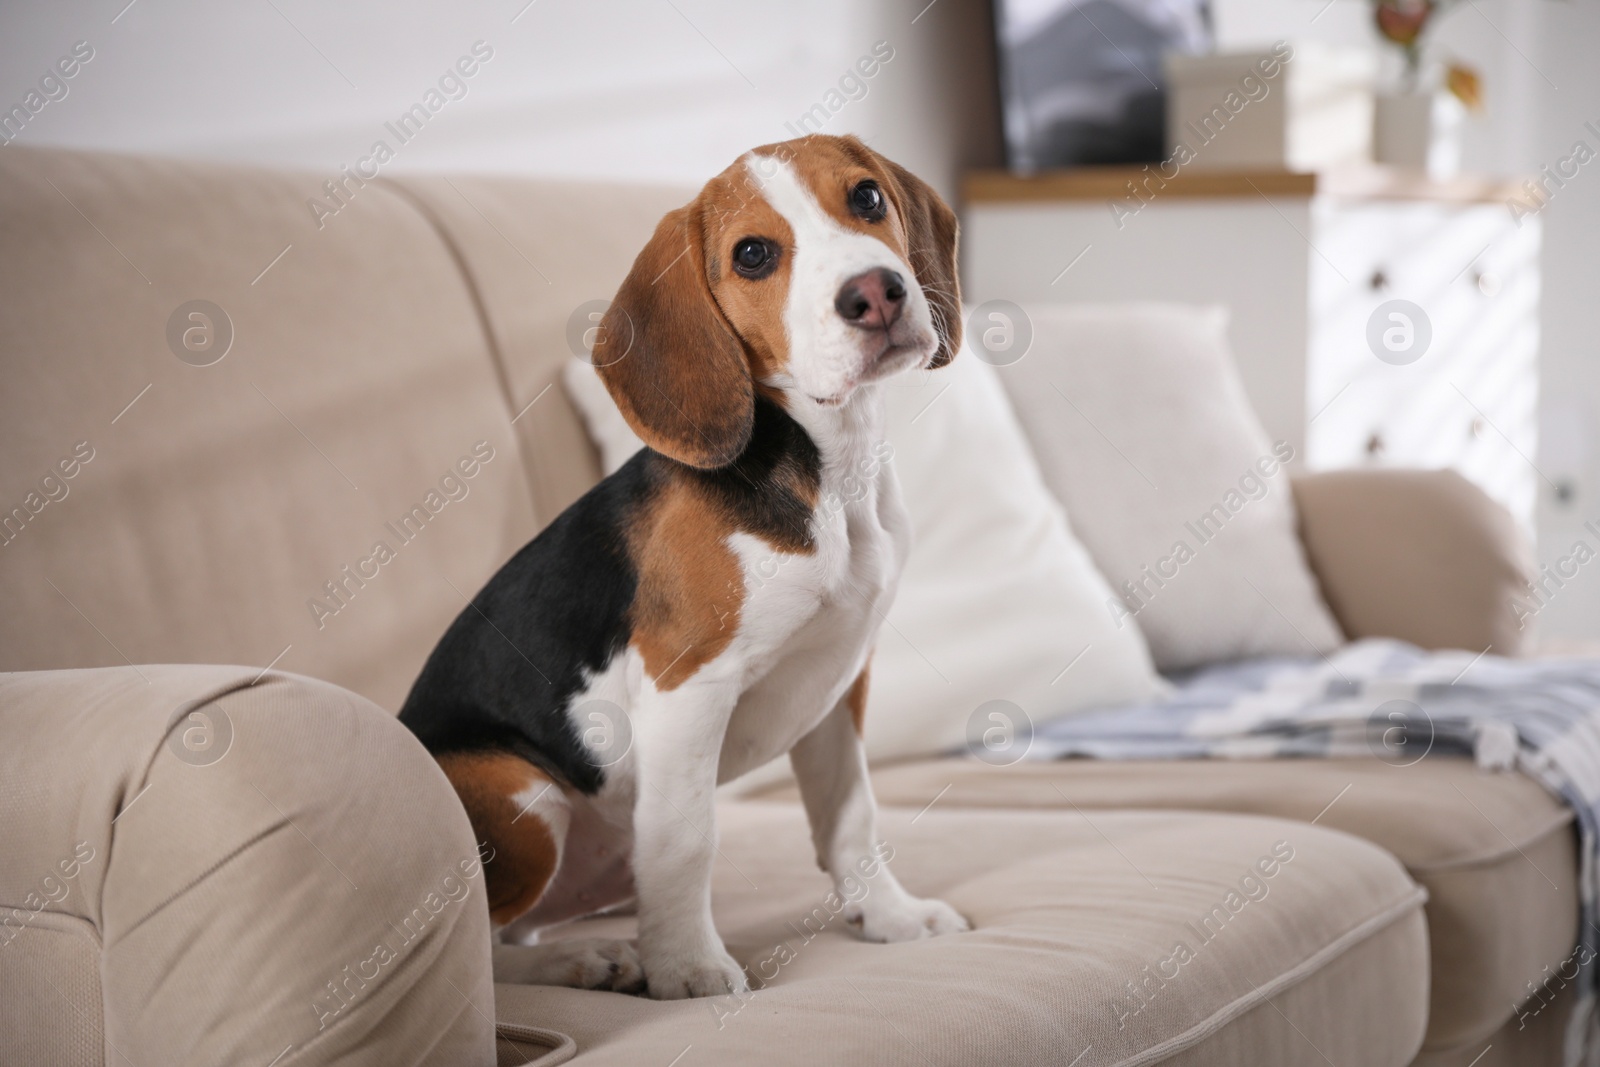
(1082, 82)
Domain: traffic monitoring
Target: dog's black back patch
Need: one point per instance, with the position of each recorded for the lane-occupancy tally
(506, 669)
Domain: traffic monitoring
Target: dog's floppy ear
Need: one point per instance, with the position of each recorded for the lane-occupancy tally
(931, 237)
(668, 356)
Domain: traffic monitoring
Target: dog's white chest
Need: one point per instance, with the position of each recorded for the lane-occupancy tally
(810, 619)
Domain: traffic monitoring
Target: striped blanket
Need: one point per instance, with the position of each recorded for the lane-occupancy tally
(1395, 702)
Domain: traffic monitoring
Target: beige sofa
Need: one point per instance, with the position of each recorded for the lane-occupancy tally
(227, 864)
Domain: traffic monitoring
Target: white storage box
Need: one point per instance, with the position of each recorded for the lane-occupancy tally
(1299, 108)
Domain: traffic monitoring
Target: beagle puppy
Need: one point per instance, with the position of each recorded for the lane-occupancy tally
(717, 598)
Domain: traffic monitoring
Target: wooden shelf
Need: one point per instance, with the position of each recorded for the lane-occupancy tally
(1111, 183)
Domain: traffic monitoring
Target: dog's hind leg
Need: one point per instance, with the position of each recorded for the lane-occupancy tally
(520, 818)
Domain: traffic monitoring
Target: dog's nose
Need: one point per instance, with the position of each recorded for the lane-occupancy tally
(872, 300)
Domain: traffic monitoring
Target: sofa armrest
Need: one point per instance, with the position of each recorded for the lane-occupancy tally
(1419, 555)
(207, 865)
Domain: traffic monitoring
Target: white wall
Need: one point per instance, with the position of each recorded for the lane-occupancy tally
(642, 90)
(1570, 409)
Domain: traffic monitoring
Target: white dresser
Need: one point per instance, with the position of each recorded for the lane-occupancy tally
(1378, 318)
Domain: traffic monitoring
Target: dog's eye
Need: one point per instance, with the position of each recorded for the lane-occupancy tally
(866, 200)
(753, 257)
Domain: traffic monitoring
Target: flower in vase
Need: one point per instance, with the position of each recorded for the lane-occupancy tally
(1402, 21)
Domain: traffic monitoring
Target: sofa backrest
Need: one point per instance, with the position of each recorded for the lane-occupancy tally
(317, 474)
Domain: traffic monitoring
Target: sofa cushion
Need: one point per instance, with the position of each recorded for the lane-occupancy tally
(199, 869)
(213, 508)
(1072, 924)
(1423, 556)
(1495, 851)
(1143, 429)
(544, 257)
(1536, 1036)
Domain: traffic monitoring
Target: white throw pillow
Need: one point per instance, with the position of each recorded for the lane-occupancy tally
(1142, 429)
(607, 428)
(998, 600)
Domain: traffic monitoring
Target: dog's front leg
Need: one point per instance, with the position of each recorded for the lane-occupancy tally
(831, 767)
(677, 741)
